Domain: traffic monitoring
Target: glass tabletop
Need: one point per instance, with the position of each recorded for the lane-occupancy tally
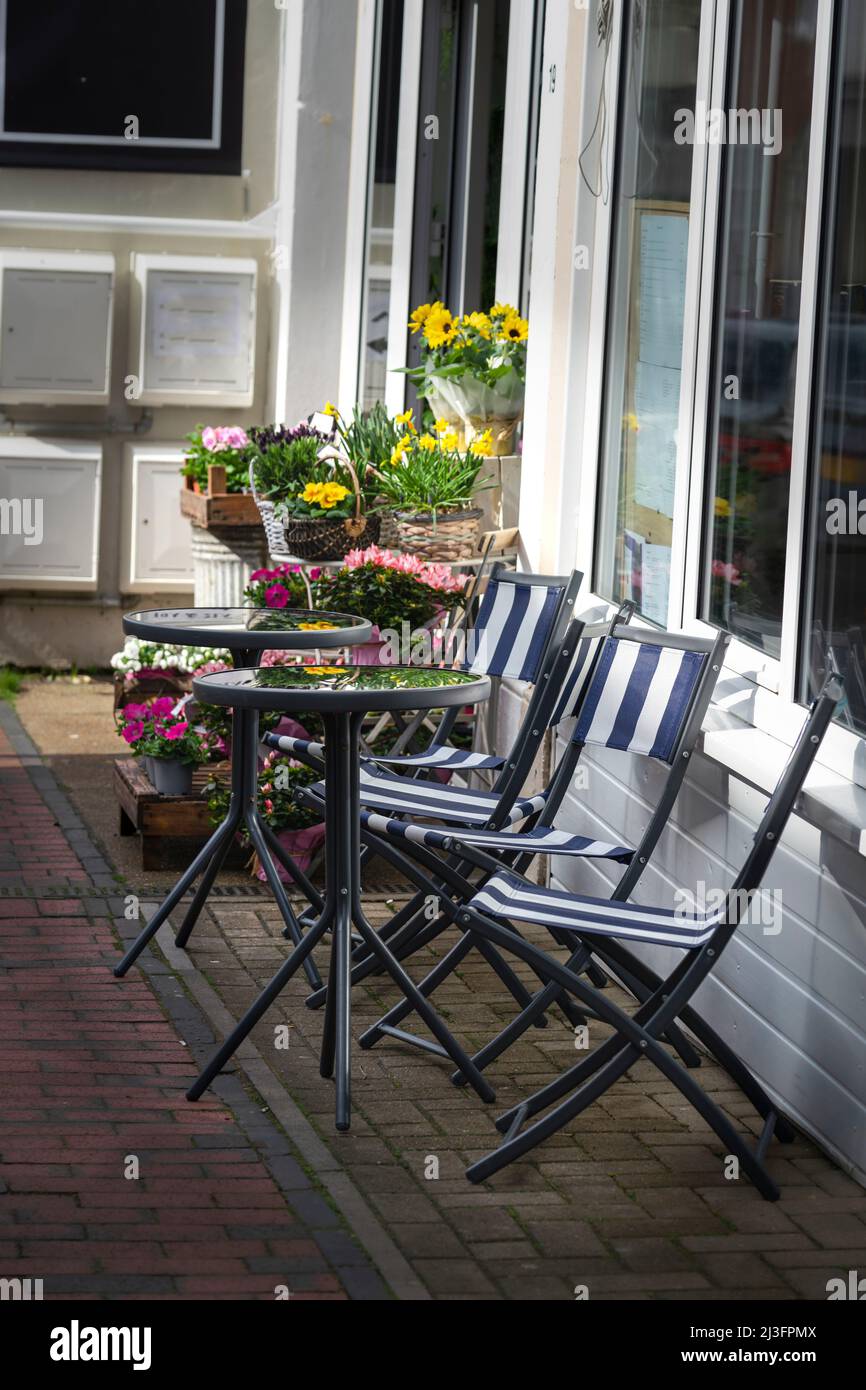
(249, 627)
(342, 687)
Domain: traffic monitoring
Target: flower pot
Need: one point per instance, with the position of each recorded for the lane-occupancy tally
(149, 764)
(472, 407)
(301, 845)
(444, 536)
(171, 777)
(319, 538)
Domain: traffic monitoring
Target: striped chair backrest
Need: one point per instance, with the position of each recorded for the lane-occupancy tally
(639, 697)
(511, 632)
(575, 682)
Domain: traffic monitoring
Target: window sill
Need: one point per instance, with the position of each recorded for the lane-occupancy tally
(830, 802)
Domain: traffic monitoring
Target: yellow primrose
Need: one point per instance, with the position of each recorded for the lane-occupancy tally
(332, 493)
(722, 506)
(482, 444)
(316, 627)
(514, 329)
(312, 492)
(427, 442)
(440, 328)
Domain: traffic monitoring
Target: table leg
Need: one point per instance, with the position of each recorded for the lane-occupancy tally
(206, 862)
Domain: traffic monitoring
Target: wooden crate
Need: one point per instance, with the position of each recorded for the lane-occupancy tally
(165, 822)
(216, 507)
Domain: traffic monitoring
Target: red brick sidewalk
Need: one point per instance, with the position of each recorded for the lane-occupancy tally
(93, 1080)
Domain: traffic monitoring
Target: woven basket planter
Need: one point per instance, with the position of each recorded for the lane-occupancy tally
(317, 538)
(321, 539)
(447, 536)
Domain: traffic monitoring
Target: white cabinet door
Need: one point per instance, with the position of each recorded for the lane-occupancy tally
(49, 513)
(55, 326)
(158, 555)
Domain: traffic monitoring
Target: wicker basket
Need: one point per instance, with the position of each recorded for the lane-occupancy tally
(316, 538)
(446, 536)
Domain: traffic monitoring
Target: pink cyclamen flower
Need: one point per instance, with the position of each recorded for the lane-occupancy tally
(728, 572)
(133, 732)
(176, 731)
(276, 597)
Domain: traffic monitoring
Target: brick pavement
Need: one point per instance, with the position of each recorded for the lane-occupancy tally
(92, 1093)
(630, 1202)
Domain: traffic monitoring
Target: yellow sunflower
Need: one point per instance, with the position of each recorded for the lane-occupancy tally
(420, 317)
(514, 329)
(502, 311)
(480, 322)
(441, 327)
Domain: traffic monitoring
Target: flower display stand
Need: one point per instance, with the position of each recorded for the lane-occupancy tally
(176, 824)
(228, 543)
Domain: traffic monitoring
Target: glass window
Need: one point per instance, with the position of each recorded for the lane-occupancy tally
(380, 205)
(643, 369)
(835, 579)
(757, 316)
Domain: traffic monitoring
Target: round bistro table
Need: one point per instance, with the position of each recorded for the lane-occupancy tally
(246, 632)
(342, 696)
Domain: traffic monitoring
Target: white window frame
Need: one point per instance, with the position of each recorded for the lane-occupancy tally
(759, 689)
(362, 152)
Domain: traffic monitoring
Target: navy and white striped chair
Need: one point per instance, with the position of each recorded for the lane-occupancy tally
(642, 692)
(700, 938)
(520, 621)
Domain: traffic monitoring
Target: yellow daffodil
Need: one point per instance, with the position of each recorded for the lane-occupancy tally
(440, 328)
(331, 409)
(442, 425)
(427, 442)
(722, 507)
(420, 317)
(482, 444)
(449, 440)
(405, 420)
(514, 329)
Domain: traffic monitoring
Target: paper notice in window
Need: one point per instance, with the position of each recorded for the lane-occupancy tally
(657, 403)
(656, 582)
(664, 240)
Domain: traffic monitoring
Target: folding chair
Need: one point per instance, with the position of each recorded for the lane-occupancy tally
(701, 937)
(520, 622)
(644, 692)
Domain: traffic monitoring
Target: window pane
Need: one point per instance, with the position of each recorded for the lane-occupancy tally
(838, 546)
(757, 315)
(380, 209)
(645, 331)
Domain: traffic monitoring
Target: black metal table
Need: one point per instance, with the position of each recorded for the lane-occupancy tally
(342, 696)
(246, 632)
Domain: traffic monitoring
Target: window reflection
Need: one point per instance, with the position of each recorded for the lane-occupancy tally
(838, 541)
(758, 312)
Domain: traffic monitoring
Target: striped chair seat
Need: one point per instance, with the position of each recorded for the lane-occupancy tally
(537, 841)
(434, 800)
(509, 896)
(440, 756)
